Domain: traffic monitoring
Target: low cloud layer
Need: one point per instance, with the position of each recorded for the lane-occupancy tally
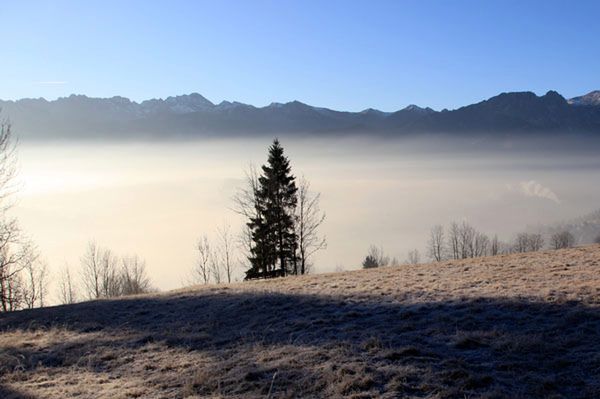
(532, 188)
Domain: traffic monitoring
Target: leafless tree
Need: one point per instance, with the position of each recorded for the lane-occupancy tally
(91, 271)
(245, 201)
(597, 239)
(536, 242)
(35, 279)
(495, 246)
(246, 204)
(308, 219)
(67, 291)
(562, 239)
(12, 253)
(453, 241)
(12, 293)
(8, 162)
(414, 257)
(11, 246)
(215, 268)
(375, 258)
(202, 269)
(133, 277)
(226, 247)
(521, 243)
(99, 272)
(528, 242)
(244, 243)
(110, 276)
(436, 243)
(481, 245)
(466, 241)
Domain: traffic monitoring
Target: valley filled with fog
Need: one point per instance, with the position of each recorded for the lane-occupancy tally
(156, 199)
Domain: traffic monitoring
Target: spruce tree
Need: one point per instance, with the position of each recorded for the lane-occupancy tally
(273, 232)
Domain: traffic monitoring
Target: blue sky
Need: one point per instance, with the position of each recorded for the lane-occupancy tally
(346, 55)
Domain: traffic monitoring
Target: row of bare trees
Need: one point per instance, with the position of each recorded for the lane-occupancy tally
(103, 274)
(462, 240)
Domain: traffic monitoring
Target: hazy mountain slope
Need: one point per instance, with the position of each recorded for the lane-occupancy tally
(590, 99)
(518, 326)
(515, 112)
(195, 116)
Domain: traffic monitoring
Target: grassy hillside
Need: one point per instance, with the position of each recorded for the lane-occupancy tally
(509, 326)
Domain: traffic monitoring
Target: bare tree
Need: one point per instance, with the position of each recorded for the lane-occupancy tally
(8, 162)
(244, 243)
(134, 279)
(202, 269)
(12, 247)
(91, 272)
(12, 293)
(528, 242)
(34, 281)
(481, 245)
(67, 292)
(110, 276)
(466, 241)
(414, 257)
(562, 239)
(308, 219)
(12, 253)
(245, 201)
(436, 243)
(521, 243)
(453, 240)
(495, 246)
(536, 242)
(597, 239)
(226, 246)
(99, 272)
(215, 268)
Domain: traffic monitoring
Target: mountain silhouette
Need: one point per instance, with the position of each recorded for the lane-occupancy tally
(79, 116)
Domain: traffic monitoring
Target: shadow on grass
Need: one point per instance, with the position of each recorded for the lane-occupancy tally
(475, 347)
(7, 393)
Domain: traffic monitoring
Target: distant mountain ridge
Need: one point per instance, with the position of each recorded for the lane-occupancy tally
(79, 116)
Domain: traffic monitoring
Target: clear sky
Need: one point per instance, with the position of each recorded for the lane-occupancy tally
(346, 55)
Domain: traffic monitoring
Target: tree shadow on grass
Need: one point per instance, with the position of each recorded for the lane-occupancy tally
(483, 347)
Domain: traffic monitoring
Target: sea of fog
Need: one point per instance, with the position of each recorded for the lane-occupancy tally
(157, 199)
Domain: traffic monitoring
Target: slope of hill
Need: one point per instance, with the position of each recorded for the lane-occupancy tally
(193, 115)
(515, 326)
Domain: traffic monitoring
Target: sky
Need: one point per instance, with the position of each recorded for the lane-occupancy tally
(346, 55)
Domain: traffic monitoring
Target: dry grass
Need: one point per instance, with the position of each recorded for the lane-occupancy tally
(515, 326)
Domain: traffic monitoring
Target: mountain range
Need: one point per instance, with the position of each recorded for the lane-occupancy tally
(79, 116)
